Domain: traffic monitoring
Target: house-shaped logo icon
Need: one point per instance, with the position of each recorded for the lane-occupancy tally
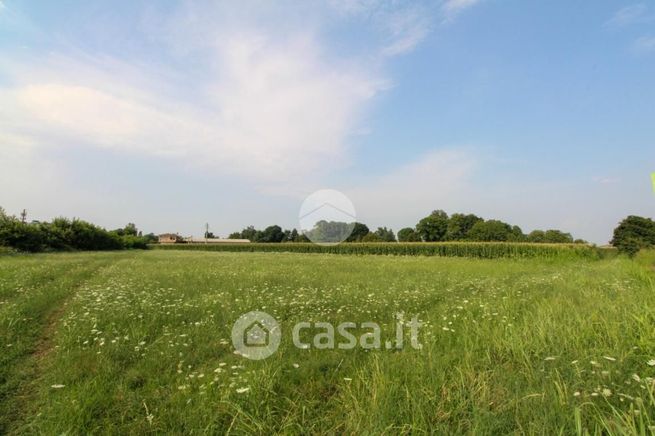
(256, 335)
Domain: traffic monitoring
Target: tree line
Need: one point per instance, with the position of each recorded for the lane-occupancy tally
(357, 232)
(631, 235)
(436, 227)
(62, 234)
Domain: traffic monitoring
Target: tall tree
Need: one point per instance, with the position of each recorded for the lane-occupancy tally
(271, 234)
(433, 227)
(359, 230)
(558, 237)
(459, 225)
(385, 234)
(249, 233)
(633, 234)
(408, 234)
(492, 230)
(536, 236)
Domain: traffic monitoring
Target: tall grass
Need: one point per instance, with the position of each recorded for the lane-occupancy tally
(141, 344)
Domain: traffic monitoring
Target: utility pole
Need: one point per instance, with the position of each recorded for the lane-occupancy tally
(206, 232)
(23, 216)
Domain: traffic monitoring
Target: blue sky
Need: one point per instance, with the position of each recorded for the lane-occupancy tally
(174, 114)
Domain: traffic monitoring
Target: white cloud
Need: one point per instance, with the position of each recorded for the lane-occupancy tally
(261, 95)
(272, 112)
(629, 15)
(284, 108)
(401, 26)
(407, 29)
(606, 180)
(644, 44)
(271, 102)
(451, 8)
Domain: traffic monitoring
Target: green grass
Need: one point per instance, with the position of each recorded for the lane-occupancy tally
(141, 343)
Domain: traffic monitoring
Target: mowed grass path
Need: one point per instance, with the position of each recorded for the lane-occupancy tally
(139, 342)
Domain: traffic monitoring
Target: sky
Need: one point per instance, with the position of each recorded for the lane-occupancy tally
(176, 114)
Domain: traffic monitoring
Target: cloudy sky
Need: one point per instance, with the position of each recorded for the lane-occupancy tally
(173, 114)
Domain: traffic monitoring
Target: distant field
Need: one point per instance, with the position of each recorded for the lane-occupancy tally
(487, 250)
(136, 342)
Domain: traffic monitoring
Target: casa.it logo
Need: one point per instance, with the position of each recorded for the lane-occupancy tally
(256, 335)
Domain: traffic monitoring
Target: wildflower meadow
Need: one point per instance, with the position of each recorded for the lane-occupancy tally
(140, 342)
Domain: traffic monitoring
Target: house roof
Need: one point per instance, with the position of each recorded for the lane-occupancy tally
(216, 240)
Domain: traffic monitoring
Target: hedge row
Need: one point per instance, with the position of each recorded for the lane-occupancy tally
(488, 250)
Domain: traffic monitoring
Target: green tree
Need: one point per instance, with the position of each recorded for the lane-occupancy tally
(150, 238)
(459, 226)
(633, 234)
(330, 231)
(492, 230)
(516, 235)
(408, 234)
(271, 234)
(536, 236)
(249, 233)
(131, 230)
(385, 234)
(21, 236)
(372, 237)
(433, 227)
(359, 230)
(302, 238)
(558, 237)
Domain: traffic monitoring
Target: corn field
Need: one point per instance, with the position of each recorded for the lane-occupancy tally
(487, 250)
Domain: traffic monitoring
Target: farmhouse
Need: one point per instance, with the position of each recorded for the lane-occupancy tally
(169, 238)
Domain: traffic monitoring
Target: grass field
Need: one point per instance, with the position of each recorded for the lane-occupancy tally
(137, 342)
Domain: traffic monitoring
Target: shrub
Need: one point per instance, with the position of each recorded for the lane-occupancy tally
(62, 234)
